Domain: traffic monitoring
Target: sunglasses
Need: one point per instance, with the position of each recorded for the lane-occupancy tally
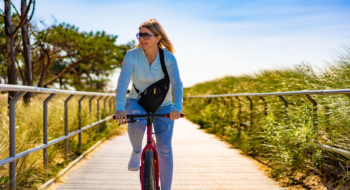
(145, 36)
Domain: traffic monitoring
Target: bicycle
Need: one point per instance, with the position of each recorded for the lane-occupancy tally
(149, 172)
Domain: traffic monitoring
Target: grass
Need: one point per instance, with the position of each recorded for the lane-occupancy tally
(283, 138)
(29, 134)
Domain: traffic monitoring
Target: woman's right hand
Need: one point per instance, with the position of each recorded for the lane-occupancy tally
(120, 117)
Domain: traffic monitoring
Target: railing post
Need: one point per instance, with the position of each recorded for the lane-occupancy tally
(90, 103)
(66, 124)
(45, 132)
(231, 111)
(223, 128)
(110, 104)
(224, 100)
(204, 102)
(251, 112)
(239, 115)
(79, 118)
(326, 114)
(217, 115)
(12, 168)
(265, 104)
(104, 102)
(314, 111)
(198, 102)
(211, 113)
(114, 103)
(98, 113)
(285, 108)
(90, 113)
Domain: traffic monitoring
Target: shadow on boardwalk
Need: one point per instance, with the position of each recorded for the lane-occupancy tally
(201, 161)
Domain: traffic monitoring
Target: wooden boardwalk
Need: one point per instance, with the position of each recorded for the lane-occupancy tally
(201, 161)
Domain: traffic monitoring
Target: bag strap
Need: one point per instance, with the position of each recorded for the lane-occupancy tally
(162, 63)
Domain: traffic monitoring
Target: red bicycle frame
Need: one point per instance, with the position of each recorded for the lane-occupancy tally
(150, 146)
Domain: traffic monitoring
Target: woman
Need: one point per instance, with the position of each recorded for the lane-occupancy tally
(143, 65)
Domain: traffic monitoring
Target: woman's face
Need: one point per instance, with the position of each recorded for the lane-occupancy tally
(148, 43)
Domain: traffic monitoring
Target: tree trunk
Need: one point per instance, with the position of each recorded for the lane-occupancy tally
(42, 76)
(10, 45)
(61, 83)
(27, 55)
(45, 67)
(20, 71)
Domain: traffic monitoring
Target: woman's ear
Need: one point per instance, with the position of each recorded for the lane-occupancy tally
(159, 37)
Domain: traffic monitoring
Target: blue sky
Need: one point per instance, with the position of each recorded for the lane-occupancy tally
(213, 39)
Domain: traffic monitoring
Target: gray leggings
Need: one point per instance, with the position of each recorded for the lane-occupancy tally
(137, 130)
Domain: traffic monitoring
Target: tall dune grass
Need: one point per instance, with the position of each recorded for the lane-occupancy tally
(283, 138)
(29, 134)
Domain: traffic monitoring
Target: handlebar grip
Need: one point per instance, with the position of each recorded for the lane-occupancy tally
(128, 116)
(182, 115)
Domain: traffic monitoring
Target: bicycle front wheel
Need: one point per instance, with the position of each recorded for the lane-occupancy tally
(149, 174)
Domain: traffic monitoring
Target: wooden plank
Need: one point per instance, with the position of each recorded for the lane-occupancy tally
(201, 161)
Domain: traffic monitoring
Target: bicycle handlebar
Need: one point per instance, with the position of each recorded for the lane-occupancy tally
(149, 116)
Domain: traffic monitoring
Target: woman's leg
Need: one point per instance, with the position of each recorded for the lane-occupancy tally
(164, 147)
(136, 130)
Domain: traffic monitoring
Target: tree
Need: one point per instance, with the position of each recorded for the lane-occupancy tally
(3, 52)
(59, 54)
(77, 59)
(11, 33)
(27, 55)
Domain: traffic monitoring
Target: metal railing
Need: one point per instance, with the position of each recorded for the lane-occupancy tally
(22, 90)
(280, 95)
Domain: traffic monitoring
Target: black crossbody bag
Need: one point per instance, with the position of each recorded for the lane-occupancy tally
(154, 95)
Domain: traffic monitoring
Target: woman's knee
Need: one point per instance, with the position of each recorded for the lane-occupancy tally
(165, 151)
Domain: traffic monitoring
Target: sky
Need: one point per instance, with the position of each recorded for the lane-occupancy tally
(213, 39)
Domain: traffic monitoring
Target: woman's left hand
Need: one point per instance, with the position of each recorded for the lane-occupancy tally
(174, 115)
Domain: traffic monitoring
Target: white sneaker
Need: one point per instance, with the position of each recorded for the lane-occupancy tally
(134, 163)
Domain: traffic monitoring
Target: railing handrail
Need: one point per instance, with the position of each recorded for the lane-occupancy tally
(21, 91)
(10, 87)
(50, 143)
(290, 93)
(307, 93)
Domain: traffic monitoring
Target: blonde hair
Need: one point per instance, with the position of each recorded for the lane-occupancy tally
(154, 26)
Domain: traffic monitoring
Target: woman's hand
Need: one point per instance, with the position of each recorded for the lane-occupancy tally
(174, 115)
(120, 116)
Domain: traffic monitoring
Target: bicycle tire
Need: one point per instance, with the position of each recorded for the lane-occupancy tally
(149, 175)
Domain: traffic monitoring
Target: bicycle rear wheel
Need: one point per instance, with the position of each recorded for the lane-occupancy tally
(149, 174)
